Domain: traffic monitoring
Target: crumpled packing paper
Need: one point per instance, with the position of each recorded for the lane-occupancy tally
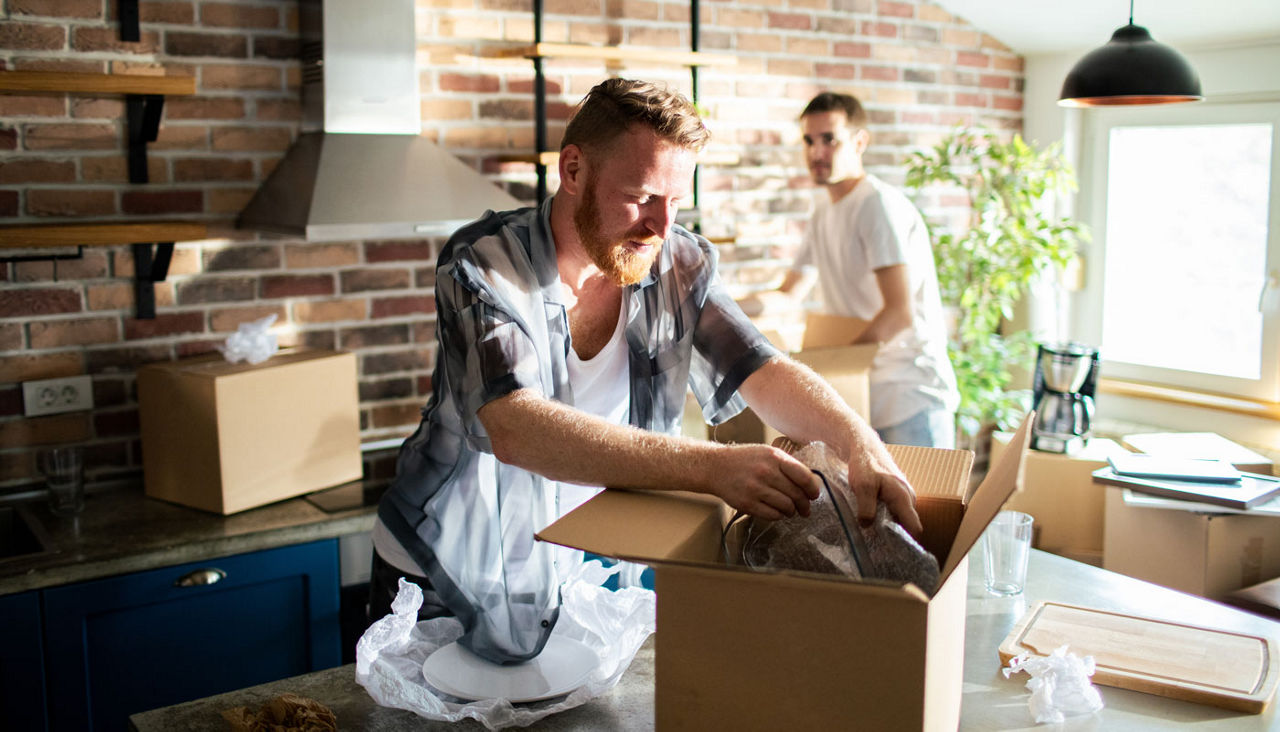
(1059, 684)
(252, 342)
(390, 654)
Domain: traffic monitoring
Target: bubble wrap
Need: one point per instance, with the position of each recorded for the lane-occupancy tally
(818, 543)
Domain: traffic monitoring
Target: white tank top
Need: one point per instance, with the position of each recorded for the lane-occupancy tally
(601, 386)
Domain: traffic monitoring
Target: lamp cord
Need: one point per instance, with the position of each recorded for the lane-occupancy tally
(1130, 12)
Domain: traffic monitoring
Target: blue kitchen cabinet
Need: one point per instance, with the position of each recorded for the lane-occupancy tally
(126, 644)
(22, 699)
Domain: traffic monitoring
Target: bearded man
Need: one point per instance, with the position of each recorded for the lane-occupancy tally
(567, 337)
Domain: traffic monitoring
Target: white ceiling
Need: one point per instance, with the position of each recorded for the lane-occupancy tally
(1031, 27)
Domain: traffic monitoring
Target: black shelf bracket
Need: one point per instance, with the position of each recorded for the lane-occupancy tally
(129, 29)
(149, 268)
(143, 113)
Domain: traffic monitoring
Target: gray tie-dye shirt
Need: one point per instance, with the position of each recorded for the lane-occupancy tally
(468, 519)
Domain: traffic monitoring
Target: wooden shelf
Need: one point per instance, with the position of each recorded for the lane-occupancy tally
(78, 83)
(89, 234)
(613, 53)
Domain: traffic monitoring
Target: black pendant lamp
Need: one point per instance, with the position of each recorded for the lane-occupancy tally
(1130, 69)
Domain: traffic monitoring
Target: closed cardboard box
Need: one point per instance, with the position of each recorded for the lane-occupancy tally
(1059, 492)
(1186, 547)
(823, 348)
(744, 649)
(226, 437)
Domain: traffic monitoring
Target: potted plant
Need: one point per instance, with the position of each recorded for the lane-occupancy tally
(987, 266)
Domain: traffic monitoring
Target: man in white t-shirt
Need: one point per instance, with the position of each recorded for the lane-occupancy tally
(867, 249)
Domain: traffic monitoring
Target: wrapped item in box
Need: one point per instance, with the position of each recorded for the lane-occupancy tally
(739, 648)
(225, 437)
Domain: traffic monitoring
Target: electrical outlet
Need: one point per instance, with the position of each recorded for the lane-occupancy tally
(53, 396)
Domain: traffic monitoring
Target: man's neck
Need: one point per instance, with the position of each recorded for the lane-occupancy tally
(844, 187)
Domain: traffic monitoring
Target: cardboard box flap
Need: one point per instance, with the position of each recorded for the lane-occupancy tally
(655, 525)
(215, 365)
(1000, 483)
(822, 330)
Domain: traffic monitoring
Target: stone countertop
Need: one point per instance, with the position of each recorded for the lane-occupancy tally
(122, 530)
(989, 700)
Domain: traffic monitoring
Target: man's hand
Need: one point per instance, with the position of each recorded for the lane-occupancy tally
(763, 481)
(872, 479)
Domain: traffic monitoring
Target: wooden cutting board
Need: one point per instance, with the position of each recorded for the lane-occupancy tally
(1217, 667)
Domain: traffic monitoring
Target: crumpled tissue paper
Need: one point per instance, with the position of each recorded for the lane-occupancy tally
(390, 654)
(251, 342)
(1059, 684)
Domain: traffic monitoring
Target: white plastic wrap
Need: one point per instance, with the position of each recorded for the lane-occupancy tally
(252, 342)
(390, 654)
(1059, 685)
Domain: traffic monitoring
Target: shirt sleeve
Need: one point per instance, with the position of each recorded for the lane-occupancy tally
(486, 351)
(882, 232)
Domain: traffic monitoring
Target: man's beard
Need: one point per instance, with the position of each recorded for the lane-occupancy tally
(614, 258)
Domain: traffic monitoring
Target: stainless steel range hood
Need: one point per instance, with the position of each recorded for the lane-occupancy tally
(361, 169)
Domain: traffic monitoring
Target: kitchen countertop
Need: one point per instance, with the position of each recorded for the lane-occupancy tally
(122, 530)
(990, 702)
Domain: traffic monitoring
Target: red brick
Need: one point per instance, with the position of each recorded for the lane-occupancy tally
(969, 58)
(882, 30)
(246, 257)
(32, 105)
(241, 77)
(70, 202)
(966, 99)
(228, 320)
(57, 8)
(116, 422)
(216, 289)
(297, 285)
(794, 21)
(851, 49)
(204, 108)
(181, 137)
(37, 170)
(306, 256)
(81, 66)
(880, 73)
(8, 138)
(1009, 103)
(177, 13)
(276, 47)
(252, 138)
(23, 303)
(162, 202)
(32, 37)
(45, 430)
(71, 137)
(228, 15)
(114, 169)
(82, 332)
(10, 402)
(330, 311)
(8, 203)
(90, 265)
(393, 306)
(90, 108)
(10, 336)
(212, 169)
(228, 200)
(283, 110)
(363, 280)
(377, 335)
(164, 324)
(398, 251)
(396, 415)
(835, 71)
(225, 45)
(86, 38)
(895, 9)
(453, 82)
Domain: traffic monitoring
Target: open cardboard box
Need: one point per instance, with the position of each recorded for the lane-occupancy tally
(825, 348)
(744, 649)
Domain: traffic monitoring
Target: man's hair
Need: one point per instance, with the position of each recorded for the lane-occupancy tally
(836, 102)
(614, 105)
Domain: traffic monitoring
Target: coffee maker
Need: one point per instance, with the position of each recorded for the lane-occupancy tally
(1066, 376)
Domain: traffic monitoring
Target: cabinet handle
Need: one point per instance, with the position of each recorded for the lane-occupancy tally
(198, 577)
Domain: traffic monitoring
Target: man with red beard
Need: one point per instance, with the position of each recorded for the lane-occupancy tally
(568, 335)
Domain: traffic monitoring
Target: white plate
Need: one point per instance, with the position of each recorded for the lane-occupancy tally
(563, 666)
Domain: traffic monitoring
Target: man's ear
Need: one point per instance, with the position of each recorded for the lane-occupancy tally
(861, 139)
(572, 169)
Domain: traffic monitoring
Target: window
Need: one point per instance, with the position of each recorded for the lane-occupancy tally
(1183, 281)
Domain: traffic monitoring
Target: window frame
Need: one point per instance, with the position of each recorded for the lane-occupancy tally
(1087, 304)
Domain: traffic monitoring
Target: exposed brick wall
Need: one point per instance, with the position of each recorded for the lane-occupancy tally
(918, 68)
